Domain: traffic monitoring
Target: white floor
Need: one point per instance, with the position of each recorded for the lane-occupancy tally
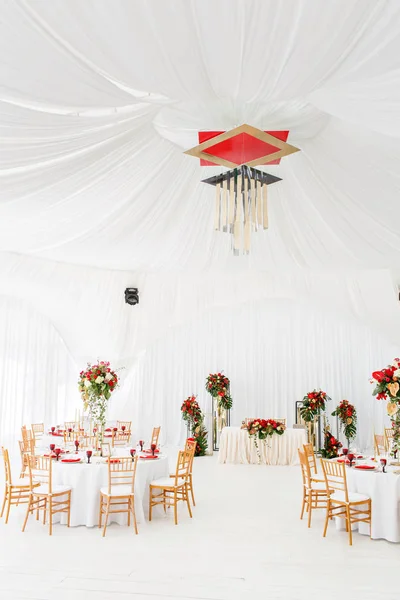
(245, 541)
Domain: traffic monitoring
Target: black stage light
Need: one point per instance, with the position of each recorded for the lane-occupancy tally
(132, 296)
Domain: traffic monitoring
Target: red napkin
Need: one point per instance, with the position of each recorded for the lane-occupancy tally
(148, 457)
(114, 460)
(150, 451)
(108, 429)
(366, 467)
(58, 434)
(71, 460)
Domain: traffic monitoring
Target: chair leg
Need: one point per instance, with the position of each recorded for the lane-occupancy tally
(328, 510)
(191, 489)
(107, 513)
(44, 511)
(100, 511)
(8, 507)
(129, 511)
(69, 509)
(187, 501)
(4, 503)
(134, 514)
(28, 510)
(175, 508)
(310, 501)
(303, 505)
(50, 515)
(151, 503)
(348, 519)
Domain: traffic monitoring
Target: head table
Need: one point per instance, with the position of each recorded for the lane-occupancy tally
(384, 491)
(87, 479)
(237, 447)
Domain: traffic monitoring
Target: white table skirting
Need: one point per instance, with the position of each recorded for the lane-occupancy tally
(87, 479)
(384, 491)
(236, 447)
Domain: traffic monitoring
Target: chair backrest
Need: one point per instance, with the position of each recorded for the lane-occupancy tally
(379, 444)
(71, 436)
(310, 456)
(27, 446)
(190, 446)
(40, 471)
(389, 432)
(74, 425)
(7, 467)
(335, 477)
(155, 435)
(183, 464)
(122, 471)
(37, 429)
(89, 441)
(27, 434)
(120, 438)
(305, 469)
(126, 424)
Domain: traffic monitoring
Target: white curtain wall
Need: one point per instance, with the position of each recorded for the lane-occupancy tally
(274, 352)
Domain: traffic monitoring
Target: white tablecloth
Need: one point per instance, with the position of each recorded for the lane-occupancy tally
(87, 479)
(384, 491)
(236, 446)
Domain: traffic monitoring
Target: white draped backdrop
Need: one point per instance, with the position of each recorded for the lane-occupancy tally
(98, 99)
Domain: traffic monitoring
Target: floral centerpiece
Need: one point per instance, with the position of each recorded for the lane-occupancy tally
(261, 429)
(387, 388)
(193, 415)
(348, 419)
(331, 445)
(218, 386)
(96, 384)
(313, 404)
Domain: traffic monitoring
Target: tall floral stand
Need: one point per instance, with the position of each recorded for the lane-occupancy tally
(221, 419)
(314, 433)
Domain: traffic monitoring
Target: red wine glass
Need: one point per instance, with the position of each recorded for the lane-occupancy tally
(53, 429)
(383, 462)
(57, 452)
(345, 451)
(141, 444)
(123, 427)
(52, 447)
(153, 448)
(88, 454)
(351, 458)
(133, 452)
(76, 445)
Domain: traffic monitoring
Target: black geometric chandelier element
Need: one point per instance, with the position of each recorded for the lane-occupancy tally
(241, 203)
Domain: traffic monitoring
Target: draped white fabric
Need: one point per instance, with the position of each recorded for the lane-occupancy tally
(97, 102)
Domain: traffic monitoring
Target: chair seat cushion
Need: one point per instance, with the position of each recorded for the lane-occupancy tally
(166, 482)
(353, 497)
(43, 489)
(318, 485)
(117, 490)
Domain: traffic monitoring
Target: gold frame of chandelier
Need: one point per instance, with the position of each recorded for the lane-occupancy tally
(285, 149)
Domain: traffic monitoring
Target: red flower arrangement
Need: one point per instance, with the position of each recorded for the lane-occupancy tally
(217, 384)
(348, 416)
(192, 414)
(387, 387)
(263, 428)
(313, 404)
(331, 445)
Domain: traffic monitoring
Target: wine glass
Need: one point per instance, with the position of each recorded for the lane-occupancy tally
(88, 454)
(383, 462)
(132, 452)
(52, 448)
(76, 446)
(345, 451)
(123, 428)
(69, 431)
(351, 458)
(57, 452)
(141, 444)
(53, 430)
(153, 448)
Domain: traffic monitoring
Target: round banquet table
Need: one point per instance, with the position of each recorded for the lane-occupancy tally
(237, 447)
(384, 491)
(87, 479)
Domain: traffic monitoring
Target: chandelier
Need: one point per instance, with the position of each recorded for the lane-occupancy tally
(241, 204)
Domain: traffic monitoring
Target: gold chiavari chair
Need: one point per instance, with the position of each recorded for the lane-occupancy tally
(74, 425)
(314, 492)
(354, 508)
(168, 491)
(120, 438)
(37, 431)
(155, 435)
(14, 493)
(388, 438)
(119, 495)
(46, 496)
(190, 446)
(27, 435)
(89, 441)
(310, 456)
(379, 444)
(126, 424)
(26, 448)
(71, 436)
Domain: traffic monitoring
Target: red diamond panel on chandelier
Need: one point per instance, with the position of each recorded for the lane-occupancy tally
(242, 145)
